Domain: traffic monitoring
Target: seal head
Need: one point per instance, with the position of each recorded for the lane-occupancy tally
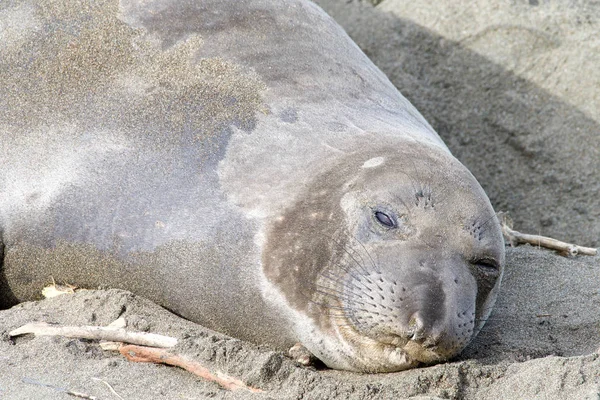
(395, 255)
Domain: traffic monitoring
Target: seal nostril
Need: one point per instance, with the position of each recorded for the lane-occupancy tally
(415, 328)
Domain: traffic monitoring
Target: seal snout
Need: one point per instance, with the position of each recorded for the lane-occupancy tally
(411, 311)
(418, 333)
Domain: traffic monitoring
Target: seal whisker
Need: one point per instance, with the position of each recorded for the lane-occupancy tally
(343, 295)
(413, 180)
(338, 280)
(488, 221)
(421, 186)
(336, 295)
(401, 200)
(350, 296)
(349, 270)
(348, 235)
(343, 246)
(326, 305)
(338, 311)
(366, 252)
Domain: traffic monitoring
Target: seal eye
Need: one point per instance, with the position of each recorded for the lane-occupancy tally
(384, 219)
(488, 267)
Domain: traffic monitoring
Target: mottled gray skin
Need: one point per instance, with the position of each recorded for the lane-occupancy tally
(233, 161)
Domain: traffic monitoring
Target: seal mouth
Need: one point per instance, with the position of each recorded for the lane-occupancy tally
(421, 342)
(394, 352)
(388, 316)
(399, 346)
(419, 349)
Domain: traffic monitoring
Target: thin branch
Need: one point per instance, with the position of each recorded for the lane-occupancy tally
(109, 387)
(515, 238)
(96, 333)
(162, 356)
(136, 351)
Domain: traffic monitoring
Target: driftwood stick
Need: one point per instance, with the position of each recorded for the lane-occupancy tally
(96, 333)
(155, 352)
(162, 356)
(515, 238)
(112, 390)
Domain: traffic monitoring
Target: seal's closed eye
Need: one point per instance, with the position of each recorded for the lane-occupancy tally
(385, 219)
(487, 266)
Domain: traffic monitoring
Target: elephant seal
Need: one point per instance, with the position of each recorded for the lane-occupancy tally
(245, 165)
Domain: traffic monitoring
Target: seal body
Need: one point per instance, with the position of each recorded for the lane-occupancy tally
(245, 165)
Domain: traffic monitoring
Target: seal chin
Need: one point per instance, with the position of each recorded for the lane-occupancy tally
(420, 353)
(395, 353)
(417, 351)
(412, 353)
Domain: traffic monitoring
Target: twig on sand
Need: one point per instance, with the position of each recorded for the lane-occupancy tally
(568, 249)
(162, 356)
(142, 347)
(109, 387)
(96, 333)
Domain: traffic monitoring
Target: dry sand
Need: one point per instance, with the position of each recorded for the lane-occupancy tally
(514, 90)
